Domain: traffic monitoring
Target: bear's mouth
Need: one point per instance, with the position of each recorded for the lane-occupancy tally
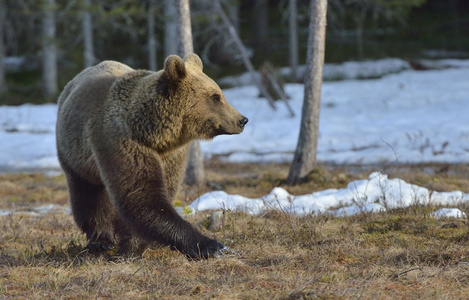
(220, 130)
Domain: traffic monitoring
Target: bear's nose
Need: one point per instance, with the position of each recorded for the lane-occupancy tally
(243, 122)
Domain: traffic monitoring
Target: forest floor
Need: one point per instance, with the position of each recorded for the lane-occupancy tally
(398, 254)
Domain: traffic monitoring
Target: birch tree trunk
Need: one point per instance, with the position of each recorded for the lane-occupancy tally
(195, 173)
(3, 15)
(88, 53)
(49, 60)
(293, 34)
(306, 149)
(151, 35)
(170, 28)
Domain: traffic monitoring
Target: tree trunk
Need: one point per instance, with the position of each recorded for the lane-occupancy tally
(49, 60)
(3, 15)
(170, 28)
(195, 174)
(151, 35)
(306, 149)
(293, 29)
(184, 28)
(88, 54)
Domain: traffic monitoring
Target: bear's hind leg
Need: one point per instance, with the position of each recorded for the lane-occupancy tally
(93, 212)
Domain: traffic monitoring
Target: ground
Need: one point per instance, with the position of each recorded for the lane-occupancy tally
(399, 254)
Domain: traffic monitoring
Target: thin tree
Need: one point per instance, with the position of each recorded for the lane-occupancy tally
(151, 35)
(88, 53)
(306, 149)
(170, 28)
(3, 15)
(49, 48)
(293, 34)
(195, 173)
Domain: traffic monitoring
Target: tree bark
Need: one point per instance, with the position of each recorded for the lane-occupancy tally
(195, 174)
(293, 29)
(184, 28)
(306, 149)
(88, 54)
(151, 35)
(3, 15)
(170, 28)
(49, 61)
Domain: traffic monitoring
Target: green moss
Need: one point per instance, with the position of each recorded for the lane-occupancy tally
(187, 210)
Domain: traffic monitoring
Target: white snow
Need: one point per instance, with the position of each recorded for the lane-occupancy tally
(377, 193)
(14, 63)
(413, 116)
(37, 211)
(448, 213)
(407, 117)
(27, 137)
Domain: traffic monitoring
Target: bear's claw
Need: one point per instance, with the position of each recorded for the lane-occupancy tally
(98, 247)
(211, 248)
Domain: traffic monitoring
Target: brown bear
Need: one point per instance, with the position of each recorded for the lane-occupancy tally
(122, 141)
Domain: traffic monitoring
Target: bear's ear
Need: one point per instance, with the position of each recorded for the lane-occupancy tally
(174, 68)
(194, 60)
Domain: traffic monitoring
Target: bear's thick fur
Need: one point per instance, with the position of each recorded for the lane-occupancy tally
(122, 141)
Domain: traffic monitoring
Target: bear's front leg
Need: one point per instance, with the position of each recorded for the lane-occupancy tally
(133, 176)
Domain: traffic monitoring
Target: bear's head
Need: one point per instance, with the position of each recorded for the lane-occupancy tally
(206, 113)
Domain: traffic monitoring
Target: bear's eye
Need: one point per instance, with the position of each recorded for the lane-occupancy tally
(216, 98)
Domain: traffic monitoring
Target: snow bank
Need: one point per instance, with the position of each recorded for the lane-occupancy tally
(448, 213)
(37, 211)
(410, 117)
(377, 193)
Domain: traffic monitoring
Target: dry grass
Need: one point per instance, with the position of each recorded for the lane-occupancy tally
(400, 254)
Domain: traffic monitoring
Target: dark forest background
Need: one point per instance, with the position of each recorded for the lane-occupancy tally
(357, 30)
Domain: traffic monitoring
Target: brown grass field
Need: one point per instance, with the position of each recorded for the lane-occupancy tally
(399, 254)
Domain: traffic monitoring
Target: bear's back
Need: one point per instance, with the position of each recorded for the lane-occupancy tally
(80, 104)
(95, 80)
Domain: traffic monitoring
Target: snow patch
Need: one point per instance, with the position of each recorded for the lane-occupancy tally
(375, 194)
(448, 213)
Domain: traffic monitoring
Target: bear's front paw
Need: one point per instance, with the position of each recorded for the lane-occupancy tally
(205, 249)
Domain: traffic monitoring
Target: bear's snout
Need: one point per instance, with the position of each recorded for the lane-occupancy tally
(243, 122)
